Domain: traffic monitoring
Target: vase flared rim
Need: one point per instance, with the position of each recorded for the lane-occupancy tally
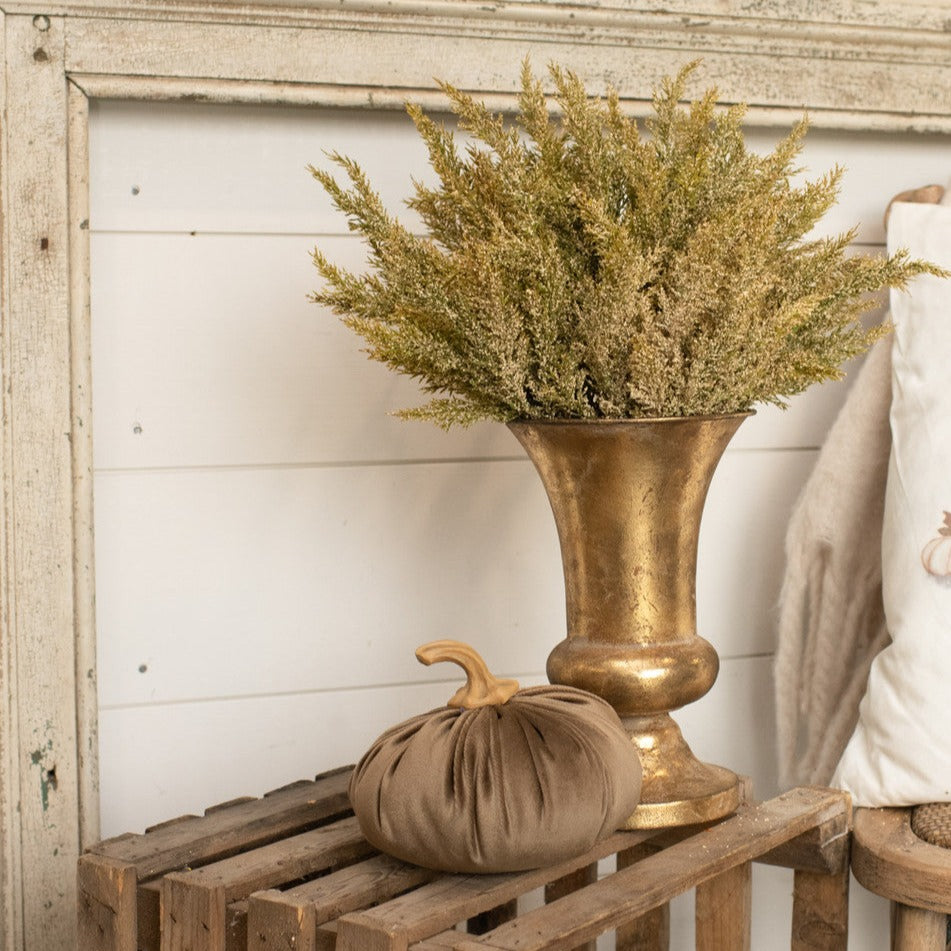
(632, 421)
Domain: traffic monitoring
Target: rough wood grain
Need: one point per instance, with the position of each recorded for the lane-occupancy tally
(820, 919)
(443, 903)
(11, 885)
(194, 903)
(107, 905)
(891, 861)
(84, 583)
(630, 893)
(587, 875)
(651, 931)
(41, 821)
(132, 890)
(295, 914)
(482, 43)
(221, 832)
(724, 910)
(825, 849)
(918, 929)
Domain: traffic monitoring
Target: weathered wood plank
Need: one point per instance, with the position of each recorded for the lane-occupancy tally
(630, 893)
(365, 44)
(565, 886)
(139, 861)
(11, 884)
(221, 832)
(724, 910)
(651, 931)
(107, 905)
(450, 899)
(820, 919)
(42, 820)
(893, 15)
(194, 903)
(823, 850)
(87, 696)
(294, 915)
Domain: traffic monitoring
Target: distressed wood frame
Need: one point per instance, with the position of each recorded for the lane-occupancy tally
(862, 65)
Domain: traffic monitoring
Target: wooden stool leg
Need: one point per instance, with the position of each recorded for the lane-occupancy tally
(916, 929)
(571, 883)
(724, 909)
(821, 911)
(650, 932)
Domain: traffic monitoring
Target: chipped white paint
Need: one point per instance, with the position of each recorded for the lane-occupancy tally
(860, 65)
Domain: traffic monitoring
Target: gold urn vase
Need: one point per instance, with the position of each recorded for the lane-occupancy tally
(628, 496)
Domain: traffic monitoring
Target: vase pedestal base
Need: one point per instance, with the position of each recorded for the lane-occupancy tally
(678, 789)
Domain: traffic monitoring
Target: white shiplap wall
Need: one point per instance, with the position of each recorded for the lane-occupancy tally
(271, 546)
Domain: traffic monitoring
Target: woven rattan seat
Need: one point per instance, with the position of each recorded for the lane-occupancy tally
(932, 822)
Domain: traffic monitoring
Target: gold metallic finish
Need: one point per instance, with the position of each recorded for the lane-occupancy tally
(627, 497)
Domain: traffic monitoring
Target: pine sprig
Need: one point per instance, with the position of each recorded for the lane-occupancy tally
(582, 268)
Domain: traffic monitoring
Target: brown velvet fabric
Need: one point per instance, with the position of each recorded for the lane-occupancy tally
(499, 788)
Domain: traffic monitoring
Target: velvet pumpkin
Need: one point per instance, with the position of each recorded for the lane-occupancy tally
(500, 779)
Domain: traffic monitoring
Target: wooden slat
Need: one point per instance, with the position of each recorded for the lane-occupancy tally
(565, 886)
(294, 915)
(194, 903)
(453, 898)
(724, 910)
(137, 862)
(219, 833)
(820, 920)
(107, 905)
(439, 942)
(635, 890)
(824, 849)
(651, 931)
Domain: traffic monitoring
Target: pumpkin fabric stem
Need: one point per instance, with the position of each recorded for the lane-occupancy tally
(482, 688)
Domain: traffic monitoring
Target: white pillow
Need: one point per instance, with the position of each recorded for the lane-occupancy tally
(900, 752)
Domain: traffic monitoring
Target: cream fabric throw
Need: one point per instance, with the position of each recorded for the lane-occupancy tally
(831, 622)
(831, 615)
(899, 754)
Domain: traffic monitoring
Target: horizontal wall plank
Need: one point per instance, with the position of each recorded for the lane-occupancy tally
(257, 581)
(159, 166)
(163, 760)
(189, 167)
(206, 352)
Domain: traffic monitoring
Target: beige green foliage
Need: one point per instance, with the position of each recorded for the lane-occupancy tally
(582, 267)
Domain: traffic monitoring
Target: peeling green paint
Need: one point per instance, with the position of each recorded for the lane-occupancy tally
(48, 781)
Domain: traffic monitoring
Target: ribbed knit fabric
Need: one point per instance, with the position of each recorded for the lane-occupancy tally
(831, 621)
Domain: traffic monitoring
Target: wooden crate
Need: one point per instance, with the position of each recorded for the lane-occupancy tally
(291, 872)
